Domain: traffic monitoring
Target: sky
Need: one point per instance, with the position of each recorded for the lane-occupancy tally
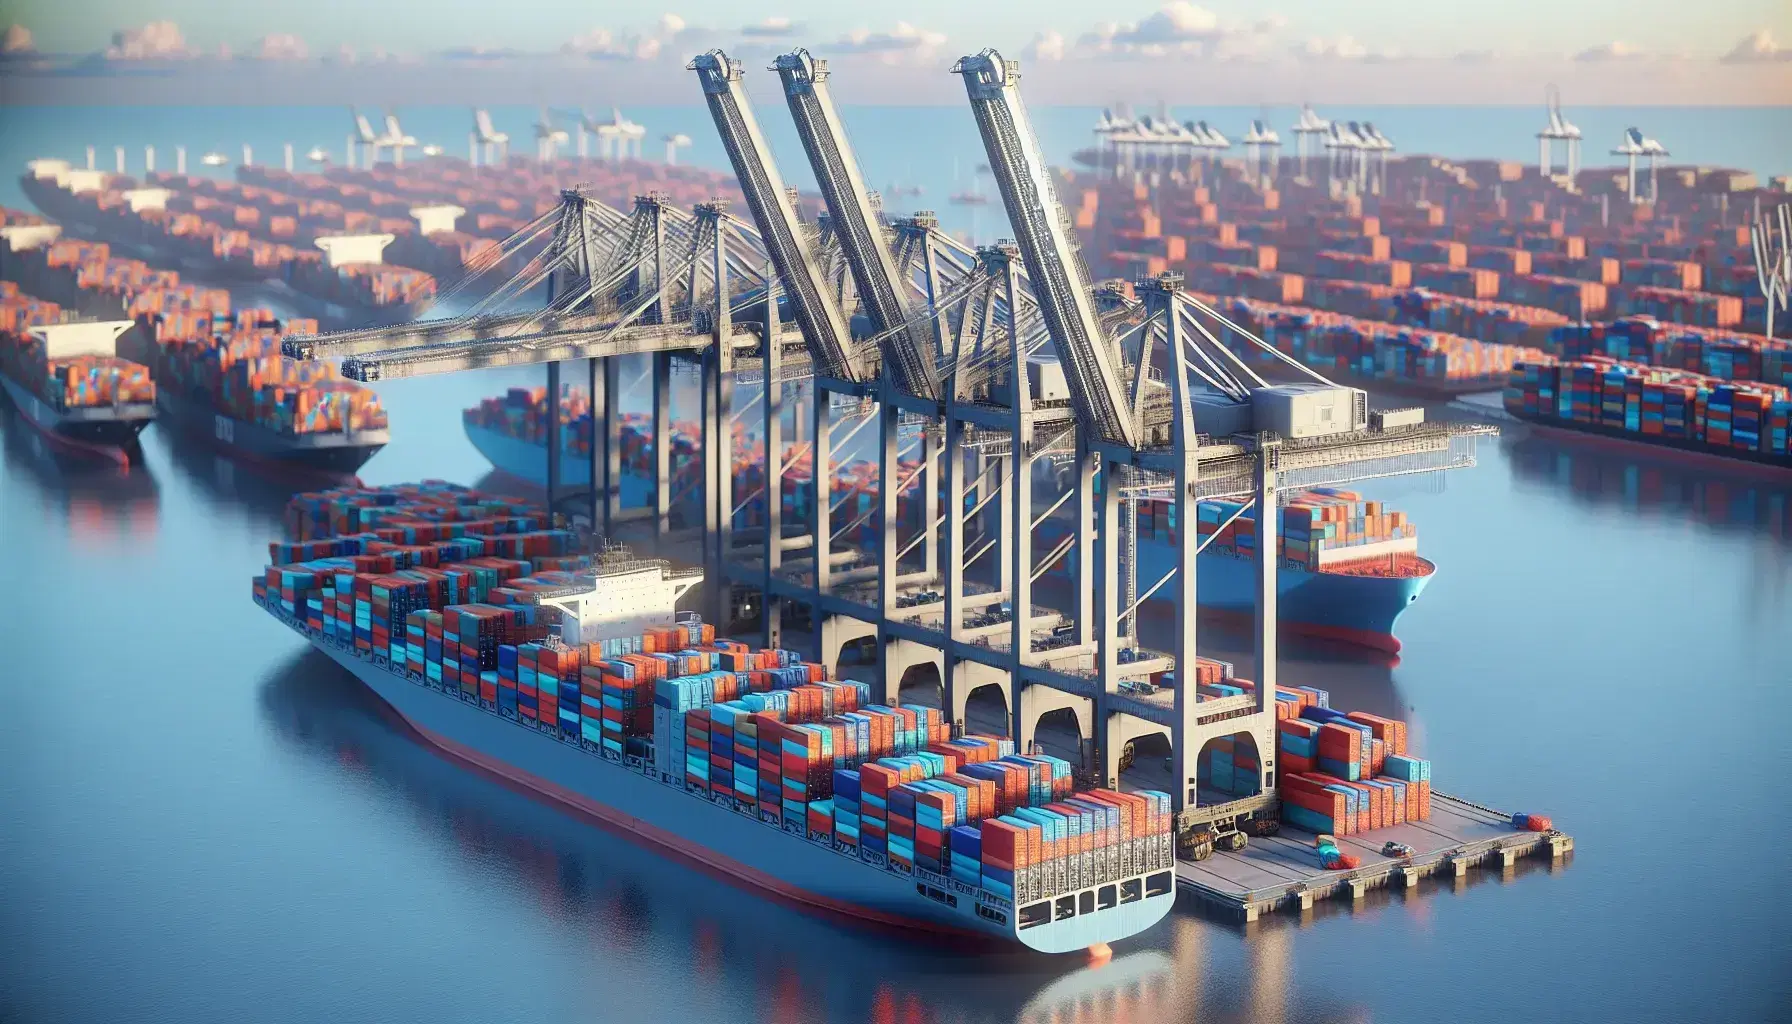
(1486, 50)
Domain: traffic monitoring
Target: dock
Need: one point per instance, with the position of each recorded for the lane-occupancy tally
(1282, 871)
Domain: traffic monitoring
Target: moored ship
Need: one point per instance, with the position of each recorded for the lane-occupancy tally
(801, 788)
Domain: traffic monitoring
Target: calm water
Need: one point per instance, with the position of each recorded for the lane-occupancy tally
(200, 821)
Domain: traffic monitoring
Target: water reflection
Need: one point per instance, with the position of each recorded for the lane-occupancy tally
(669, 928)
(103, 506)
(1708, 496)
(226, 481)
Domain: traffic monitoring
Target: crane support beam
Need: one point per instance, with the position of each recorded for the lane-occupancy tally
(885, 292)
(1059, 278)
(823, 323)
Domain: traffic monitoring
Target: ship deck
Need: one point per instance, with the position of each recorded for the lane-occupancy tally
(1282, 871)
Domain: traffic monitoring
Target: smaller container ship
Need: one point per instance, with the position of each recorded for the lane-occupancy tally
(574, 676)
(1350, 567)
(1675, 411)
(220, 373)
(223, 381)
(67, 381)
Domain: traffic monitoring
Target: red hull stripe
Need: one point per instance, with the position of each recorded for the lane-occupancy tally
(106, 452)
(694, 853)
(1359, 637)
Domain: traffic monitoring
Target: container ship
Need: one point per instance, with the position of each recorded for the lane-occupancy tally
(574, 676)
(1350, 567)
(219, 372)
(1673, 410)
(67, 381)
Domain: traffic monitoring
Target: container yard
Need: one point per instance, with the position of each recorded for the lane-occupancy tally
(221, 371)
(1436, 276)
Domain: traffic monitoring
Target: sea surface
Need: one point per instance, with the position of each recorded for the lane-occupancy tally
(202, 821)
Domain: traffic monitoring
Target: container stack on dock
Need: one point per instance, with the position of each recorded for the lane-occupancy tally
(1479, 254)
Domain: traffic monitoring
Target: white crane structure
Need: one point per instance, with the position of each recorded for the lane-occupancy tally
(674, 143)
(548, 137)
(1635, 145)
(395, 139)
(1771, 235)
(486, 139)
(1262, 148)
(1559, 129)
(1344, 149)
(1376, 148)
(1309, 126)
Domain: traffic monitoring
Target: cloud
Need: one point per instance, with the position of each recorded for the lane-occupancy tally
(1181, 29)
(279, 46)
(1343, 47)
(1758, 47)
(1045, 46)
(1615, 50)
(903, 41)
(17, 40)
(605, 44)
(158, 40)
(772, 28)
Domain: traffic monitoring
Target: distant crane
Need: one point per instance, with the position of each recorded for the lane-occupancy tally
(1376, 146)
(1558, 128)
(548, 138)
(396, 140)
(1309, 124)
(486, 138)
(1637, 144)
(363, 136)
(674, 143)
(1262, 146)
(1773, 259)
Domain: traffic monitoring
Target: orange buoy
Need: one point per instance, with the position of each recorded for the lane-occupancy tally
(1100, 953)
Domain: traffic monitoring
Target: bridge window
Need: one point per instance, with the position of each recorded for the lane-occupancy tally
(1106, 897)
(993, 915)
(1158, 884)
(1129, 891)
(1085, 903)
(1066, 908)
(1036, 915)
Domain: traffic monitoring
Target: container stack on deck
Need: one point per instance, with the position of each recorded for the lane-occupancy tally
(1479, 254)
(421, 575)
(76, 382)
(194, 343)
(1656, 404)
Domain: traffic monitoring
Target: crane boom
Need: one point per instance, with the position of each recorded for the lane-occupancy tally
(883, 289)
(820, 317)
(1059, 277)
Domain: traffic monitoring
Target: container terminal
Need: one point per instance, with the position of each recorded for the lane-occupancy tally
(998, 362)
(1631, 303)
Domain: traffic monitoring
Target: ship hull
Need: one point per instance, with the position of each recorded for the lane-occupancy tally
(1353, 609)
(105, 432)
(326, 455)
(632, 801)
(1680, 449)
